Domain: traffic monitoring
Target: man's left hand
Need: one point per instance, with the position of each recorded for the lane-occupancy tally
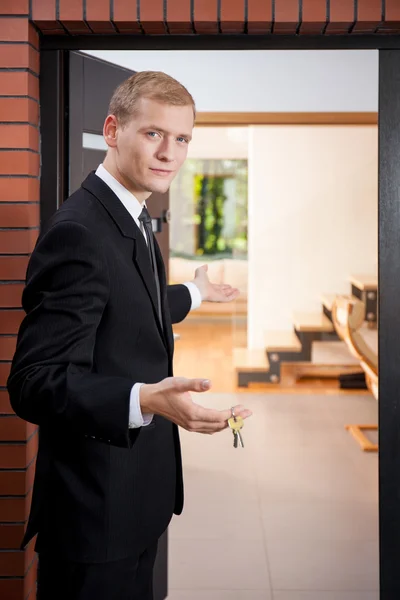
(213, 292)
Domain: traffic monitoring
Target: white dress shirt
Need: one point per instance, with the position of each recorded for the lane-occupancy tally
(134, 207)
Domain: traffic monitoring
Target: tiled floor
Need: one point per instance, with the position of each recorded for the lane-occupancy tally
(292, 516)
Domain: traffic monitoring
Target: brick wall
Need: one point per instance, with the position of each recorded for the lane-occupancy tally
(66, 17)
(19, 223)
(20, 21)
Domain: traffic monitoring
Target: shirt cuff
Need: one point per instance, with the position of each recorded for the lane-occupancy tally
(194, 294)
(136, 419)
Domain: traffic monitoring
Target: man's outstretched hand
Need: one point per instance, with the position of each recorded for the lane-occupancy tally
(213, 292)
(171, 399)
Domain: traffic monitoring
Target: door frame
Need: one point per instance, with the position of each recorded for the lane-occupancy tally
(54, 116)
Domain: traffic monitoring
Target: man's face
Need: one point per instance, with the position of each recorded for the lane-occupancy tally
(152, 147)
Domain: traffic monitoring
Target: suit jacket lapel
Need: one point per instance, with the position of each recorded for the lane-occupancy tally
(141, 256)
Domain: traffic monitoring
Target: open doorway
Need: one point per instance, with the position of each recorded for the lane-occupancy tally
(280, 200)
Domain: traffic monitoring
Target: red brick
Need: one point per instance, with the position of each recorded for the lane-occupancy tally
(369, 16)
(10, 321)
(152, 16)
(71, 10)
(44, 10)
(178, 17)
(11, 536)
(18, 30)
(125, 16)
(259, 16)
(392, 11)
(341, 16)
(206, 16)
(19, 136)
(5, 367)
(15, 189)
(14, 83)
(5, 406)
(14, 7)
(15, 509)
(14, 429)
(314, 17)
(32, 594)
(19, 162)
(392, 18)
(16, 564)
(33, 37)
(232, 16)
(16, 483)
(98, 16)
(18, 456)
(50, 27)
(11, 293)
(19, 215)
(71, 15)
(13, 268)
(17, 242)
(16, 589)
(14, 30)
(286, 16)
(7, 350)
(105, 27)
(19, 56)
(76, 27)
(44, 15)
(19, 109)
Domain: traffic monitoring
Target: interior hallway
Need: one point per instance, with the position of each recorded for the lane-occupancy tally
(293, 515)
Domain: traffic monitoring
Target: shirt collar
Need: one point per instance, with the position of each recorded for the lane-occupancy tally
(131, 203)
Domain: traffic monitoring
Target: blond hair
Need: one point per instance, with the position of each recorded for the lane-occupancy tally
(154, 85)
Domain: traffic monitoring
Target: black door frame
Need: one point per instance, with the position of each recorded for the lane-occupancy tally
(54, 116)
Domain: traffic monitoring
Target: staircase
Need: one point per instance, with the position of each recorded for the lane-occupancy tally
(264, 365)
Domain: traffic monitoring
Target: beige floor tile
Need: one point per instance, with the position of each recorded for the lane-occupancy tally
(304, 564)
(220, 595)
(218, 506)
(218, 564)
(307, 474)
(322, 521)
(299, 595)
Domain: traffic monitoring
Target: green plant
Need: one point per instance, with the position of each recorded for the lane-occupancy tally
(210, 198)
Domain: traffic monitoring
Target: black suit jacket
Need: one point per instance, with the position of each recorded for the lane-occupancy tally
(102, 491)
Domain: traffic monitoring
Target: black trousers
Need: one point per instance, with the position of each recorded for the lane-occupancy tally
(127, 579)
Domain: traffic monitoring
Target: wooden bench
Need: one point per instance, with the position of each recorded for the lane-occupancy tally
(348, 316)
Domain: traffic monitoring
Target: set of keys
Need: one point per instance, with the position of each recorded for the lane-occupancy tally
(236, 424)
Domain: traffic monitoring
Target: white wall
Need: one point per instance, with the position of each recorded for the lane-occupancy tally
(266, 80)
(312, 218)
(219, 143)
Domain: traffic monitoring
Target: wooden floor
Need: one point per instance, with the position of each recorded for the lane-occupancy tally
(205, 349)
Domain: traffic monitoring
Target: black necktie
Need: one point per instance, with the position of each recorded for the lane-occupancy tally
(145, 219)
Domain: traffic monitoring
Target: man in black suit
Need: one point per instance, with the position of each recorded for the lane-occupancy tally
(93, 364)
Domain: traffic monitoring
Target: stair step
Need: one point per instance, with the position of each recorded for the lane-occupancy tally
(328, 299)
(332, 353)
(312, 322)
(364, 282)
(250, 361)
(282, 341)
